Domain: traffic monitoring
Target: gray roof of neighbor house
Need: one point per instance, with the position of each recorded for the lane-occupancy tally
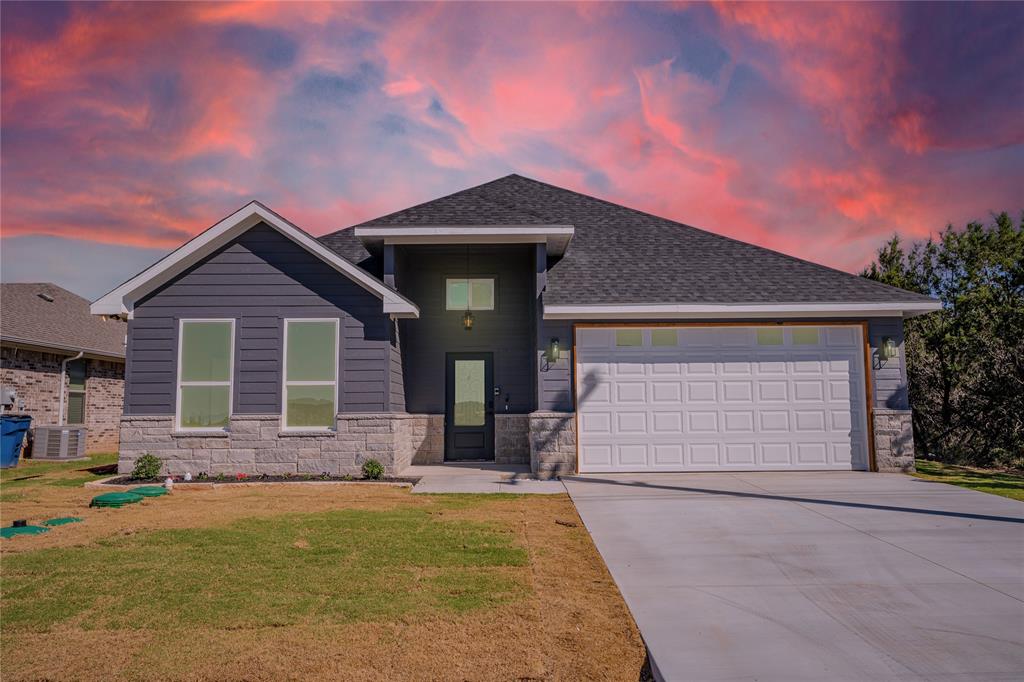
(64, 324)
(622, 255)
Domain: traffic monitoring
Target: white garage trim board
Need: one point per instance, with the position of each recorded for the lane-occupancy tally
(722, 397)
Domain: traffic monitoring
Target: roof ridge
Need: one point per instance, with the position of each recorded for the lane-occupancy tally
(716, 235)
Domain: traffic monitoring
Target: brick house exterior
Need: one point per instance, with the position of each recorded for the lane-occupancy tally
(38, 335)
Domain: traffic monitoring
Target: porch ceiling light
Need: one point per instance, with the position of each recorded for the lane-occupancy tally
(467, 320)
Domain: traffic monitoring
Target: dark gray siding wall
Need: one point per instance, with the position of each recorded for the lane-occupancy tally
(888, 378)
(258, 280)
(507, 331)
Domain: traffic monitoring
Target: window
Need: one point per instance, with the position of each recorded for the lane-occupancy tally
(769, 336)
(664, 337)
(310, 373)
(805, 336)
(629, 337)
(469, 294)
(205, 368)
(76, 392)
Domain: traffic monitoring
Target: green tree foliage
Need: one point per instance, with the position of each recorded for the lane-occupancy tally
(965, 363)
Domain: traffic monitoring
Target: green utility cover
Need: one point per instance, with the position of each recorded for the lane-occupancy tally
(149, 491)
(11, 531)
(60, 521)
(115, 499)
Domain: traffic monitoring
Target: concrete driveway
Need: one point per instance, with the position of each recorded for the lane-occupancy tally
(813, 576)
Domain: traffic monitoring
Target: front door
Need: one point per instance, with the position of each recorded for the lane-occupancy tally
(469, 407)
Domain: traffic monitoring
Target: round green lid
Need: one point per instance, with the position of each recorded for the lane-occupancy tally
(149, 491)
(61, 520)
(11, 531)
(114, 499)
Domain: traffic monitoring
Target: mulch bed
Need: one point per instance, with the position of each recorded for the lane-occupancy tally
(258, 478)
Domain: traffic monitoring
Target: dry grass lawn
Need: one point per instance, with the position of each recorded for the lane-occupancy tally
(308, 582)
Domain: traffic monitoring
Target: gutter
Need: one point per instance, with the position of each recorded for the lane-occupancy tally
(63, 375)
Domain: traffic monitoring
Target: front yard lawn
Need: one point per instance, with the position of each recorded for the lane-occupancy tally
(307, 581)
(1005, 483)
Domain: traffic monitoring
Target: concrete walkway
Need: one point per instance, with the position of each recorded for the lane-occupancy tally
(813, 576)
(478, 477)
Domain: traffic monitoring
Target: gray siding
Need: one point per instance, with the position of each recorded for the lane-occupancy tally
(259, 279)
(888, 379)
(507, 331)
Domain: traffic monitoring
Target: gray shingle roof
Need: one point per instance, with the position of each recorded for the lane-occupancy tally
(63, 323)
(622, 255)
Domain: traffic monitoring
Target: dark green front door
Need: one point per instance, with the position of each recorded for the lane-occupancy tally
(469, 407)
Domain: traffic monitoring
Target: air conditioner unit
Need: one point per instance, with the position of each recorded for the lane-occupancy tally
(58, 442)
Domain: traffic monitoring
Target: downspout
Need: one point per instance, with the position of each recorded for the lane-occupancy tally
(63, 376)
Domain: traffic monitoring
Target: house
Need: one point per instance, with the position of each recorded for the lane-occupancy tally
(65, 365)
(517, 322)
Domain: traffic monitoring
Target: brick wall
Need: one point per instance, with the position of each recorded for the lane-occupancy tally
(35, 376)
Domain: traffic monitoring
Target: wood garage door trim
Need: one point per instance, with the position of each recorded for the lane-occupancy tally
(868, 388)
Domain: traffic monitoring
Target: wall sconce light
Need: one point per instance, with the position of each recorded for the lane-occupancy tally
(888, 350)
(553, 350)
(467, 321)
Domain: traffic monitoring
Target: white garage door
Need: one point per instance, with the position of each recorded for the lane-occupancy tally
(721, 398)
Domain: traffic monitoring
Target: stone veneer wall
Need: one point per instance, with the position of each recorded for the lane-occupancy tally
(35, 376)
(511, 438)
(894, 440)
(426, 438)
(552, 443)
(255, 444)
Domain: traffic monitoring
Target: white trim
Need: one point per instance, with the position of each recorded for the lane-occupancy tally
(121, 301)
(469, 292)
(555, 236)
(285, 382)
(230, 382)
(666, 311)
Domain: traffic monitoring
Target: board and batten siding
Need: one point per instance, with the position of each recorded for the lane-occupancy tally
(260, 279)
(888, 378)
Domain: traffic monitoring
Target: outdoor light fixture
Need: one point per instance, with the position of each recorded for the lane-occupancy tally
(887, 351)
(467, 321)
(553, 350)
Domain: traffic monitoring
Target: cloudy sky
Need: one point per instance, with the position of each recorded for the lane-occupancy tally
(817, 130)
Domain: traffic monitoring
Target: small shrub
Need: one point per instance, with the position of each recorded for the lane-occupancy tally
(373, 470)
(202, 476)
(147, 466)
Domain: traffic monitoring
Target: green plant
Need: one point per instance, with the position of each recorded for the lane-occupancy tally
(373, 470)
(147, 466)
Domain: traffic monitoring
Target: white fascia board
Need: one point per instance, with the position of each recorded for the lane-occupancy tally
(121, 301)
(555, 236)
(657, 311)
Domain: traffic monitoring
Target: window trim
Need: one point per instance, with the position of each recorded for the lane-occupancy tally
(230, 382)
(72, 391)
(284, 375)
(469, 293)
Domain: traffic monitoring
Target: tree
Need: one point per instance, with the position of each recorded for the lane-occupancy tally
(965, 363)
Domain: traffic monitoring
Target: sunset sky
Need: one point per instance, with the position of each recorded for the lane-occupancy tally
(817, 130)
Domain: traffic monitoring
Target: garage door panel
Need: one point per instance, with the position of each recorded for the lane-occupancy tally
(722, 398)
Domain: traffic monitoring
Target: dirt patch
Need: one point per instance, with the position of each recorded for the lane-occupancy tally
(571, 624)
(264, 478)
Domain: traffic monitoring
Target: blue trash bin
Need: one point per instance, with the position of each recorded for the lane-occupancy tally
(12, 433)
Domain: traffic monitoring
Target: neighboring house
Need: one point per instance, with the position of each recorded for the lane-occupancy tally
(65, 364)
(517, 322)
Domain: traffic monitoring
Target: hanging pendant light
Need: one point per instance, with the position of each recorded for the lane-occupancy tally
(467, 317)
(467, 321)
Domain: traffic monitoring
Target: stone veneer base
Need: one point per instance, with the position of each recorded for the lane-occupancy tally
(894, 440)
(552, 443)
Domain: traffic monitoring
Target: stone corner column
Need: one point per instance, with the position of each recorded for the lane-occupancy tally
(552, 444)
(894, 440)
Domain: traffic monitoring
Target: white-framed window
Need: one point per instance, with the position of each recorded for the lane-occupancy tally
(206, 355)
(629, 337)
(309, 398)
(769, 336)
(469, 294)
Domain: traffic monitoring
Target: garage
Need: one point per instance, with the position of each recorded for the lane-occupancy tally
(721, 398)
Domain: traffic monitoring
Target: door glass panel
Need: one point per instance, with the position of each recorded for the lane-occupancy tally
(629, 337)
(805, 336)
(664, 337)
(205, 351)
(204, 406)
(310, 406)
(769, 337)
(469, 393)
(312, 351)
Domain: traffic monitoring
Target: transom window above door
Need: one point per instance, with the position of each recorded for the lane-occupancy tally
(469, 294)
